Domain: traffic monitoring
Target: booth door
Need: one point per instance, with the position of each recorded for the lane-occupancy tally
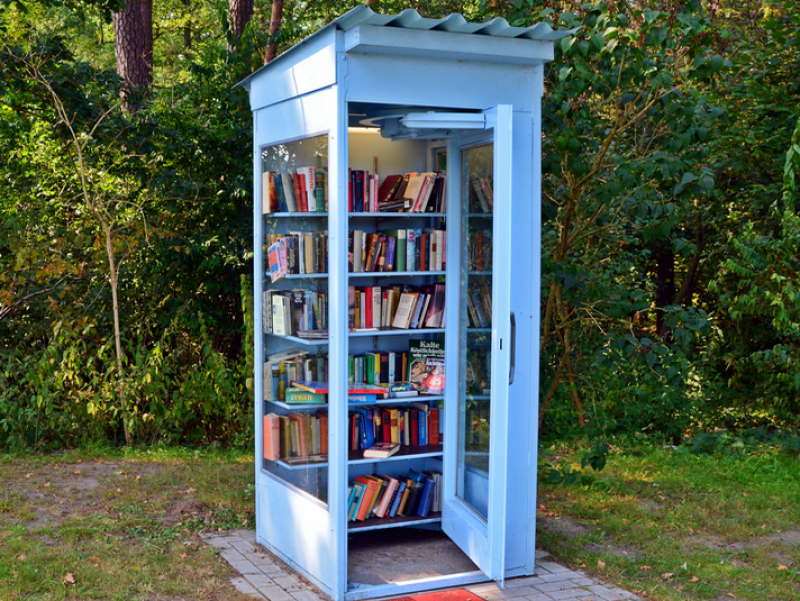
(479, 198)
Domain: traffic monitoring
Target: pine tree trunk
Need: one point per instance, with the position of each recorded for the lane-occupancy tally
(131, 46)
(146, 8)
(274, 27)
(240, 13)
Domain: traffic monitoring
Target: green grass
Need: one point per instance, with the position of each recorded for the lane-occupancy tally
(674, 525)
(124, 523)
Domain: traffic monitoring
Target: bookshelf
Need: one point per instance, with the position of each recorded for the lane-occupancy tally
(395, 95)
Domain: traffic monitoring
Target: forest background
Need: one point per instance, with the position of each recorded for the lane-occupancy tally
(671, 251)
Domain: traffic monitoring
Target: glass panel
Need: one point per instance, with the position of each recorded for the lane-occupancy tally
(475, 335)
(295, 312)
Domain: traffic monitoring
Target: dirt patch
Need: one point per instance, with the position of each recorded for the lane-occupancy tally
(188, 508)
(562, 525)
(787, 537)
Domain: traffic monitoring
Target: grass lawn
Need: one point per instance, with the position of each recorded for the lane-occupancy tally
(662, 522)
(669, 524)
(120, 525)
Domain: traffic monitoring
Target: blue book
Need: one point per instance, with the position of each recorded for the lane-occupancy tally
(367, 434)
(426, 498)
(423, 428)
(362, 398)
(353, 508)
(400, 490)
(283, 207)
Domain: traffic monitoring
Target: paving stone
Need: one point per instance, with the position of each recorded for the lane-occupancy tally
(259, 581)
(547, 587)
(522, 581)
(219, 542)
(539, 554)
(560, 577)
(243, 546)
(568, 594)
(581, 581)
(553, 567)
(606, 593)
(243, 586)
(245, 568)
(306, 596)
(275, 593)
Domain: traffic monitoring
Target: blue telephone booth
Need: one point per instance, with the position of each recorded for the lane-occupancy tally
(397, 229)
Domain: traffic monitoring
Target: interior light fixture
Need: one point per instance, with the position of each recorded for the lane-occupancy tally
(448, 121)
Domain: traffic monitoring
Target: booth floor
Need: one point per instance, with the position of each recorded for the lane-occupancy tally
(263, 576)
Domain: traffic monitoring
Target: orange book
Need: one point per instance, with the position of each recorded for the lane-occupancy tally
(433, 426)
(323, 432)
(388, 496)
(272, 437)
(367, 498)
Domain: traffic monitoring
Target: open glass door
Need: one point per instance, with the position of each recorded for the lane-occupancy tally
(474, 507)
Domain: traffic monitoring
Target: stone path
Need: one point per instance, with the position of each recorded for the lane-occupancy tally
(264, 577)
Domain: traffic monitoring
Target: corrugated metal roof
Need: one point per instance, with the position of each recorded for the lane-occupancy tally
(455, 23)
(411, 19)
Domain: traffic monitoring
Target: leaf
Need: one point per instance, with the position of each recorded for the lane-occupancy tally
(667, 575)
(69, 579)
(22, 557)
(694, 579)
(601, 565)
(645, 568)
(782, 567)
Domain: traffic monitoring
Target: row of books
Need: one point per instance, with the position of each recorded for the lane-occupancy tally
(301, 253)
(409, 193)
(482, 201)
(298, 312)
(479, 249)
(397, 250)
(401, 307)
(479, 371)
(316, 393)
(304, 191)
(387, 497)
(479, 306)
(416, 425)
(294, 364)
(296, 437)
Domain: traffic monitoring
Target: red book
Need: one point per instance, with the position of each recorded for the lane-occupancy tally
(323, 432)
(298, 193)
(433, 426)
(272, 437)
(387, 426)
(367, 308)
(414, 427)
(371, 489)
(423, 251)
(350, 191)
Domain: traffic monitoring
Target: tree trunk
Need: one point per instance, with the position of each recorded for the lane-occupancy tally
(146, 8)
(665, 284)
(131, 46)
(187, 30)
(274, 27)
(240, 13)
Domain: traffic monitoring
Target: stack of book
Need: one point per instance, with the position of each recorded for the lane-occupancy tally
(400, 249)
(482, 201)
(293, 364)
(479, 306)
(409, 193)
(399, 307)
(304, 191)
(297, 437)
(298, 312)
(385, 496)
(302, 253)
(413, 426)
(479, 246)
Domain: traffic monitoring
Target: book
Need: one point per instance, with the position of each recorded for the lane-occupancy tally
(382, 450)
(389, 188)
(426, 365)
(398, 497)
(405, 310)
(272, 437)
(388, 496)
(296, 396)
(353, 387)
(426, 498)
(356, 502)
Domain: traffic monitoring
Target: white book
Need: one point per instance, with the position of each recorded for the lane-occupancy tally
(376, 306)
(358, 251)
(427, 189)
(280, 315)
(405, 310)
(308, 176)
(413, 189)
(288, 191)
(439, 258)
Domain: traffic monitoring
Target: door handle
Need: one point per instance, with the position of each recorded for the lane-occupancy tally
(513, 348)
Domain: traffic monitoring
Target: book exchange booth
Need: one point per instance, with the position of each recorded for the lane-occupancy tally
(397, 238)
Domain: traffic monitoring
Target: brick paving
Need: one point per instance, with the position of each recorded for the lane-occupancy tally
(264, 577)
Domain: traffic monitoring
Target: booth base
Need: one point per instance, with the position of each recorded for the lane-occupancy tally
(400, 555)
